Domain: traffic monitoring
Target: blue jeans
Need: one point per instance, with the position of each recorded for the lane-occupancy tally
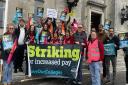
(95, 73)
(7, 72)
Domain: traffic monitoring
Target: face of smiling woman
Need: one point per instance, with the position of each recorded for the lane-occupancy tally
(10, 28)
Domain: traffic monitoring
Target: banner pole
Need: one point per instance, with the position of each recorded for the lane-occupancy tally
(5, 15)
(29, 66)
(78, 67)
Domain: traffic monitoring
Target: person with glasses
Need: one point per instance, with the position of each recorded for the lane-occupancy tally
(7, 67)
(80, 38)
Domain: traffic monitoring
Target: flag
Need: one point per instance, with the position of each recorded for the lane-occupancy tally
(12, 51)
(28, 23)
(51, 29)
(63, 29)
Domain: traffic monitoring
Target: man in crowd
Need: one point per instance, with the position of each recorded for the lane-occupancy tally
(80, 38)
(20, 33)
(111, 39)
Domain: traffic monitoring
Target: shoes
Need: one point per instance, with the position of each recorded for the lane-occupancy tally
(20, 70)
(107, 81)
(77, 83)
(15, 70)
(5, 84)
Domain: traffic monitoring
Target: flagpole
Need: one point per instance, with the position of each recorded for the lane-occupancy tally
(5, 15)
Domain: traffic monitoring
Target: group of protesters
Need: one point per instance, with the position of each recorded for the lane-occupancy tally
(52, 32)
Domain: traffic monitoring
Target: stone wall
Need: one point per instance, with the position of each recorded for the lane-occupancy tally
(112, 10)
(119, 4)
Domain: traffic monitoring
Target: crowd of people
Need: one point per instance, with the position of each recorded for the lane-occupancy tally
(50, 31)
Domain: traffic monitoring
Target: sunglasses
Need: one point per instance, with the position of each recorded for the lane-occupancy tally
(11, 28)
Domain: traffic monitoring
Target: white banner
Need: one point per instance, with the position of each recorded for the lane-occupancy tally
(52, 13)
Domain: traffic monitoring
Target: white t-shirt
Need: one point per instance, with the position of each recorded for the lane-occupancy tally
(21, 36)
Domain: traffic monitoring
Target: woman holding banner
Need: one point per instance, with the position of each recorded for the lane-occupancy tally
(8, 66)
(95, 54)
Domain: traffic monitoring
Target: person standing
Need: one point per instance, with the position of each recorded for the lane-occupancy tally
(21, 34)
(8, 67)
(30, 35)
(101, 37)
(80, 38)
(125, 49)
(45, 36)
(111, 39)
(95, 54)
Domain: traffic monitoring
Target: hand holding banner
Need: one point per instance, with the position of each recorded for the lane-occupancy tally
(109, 49)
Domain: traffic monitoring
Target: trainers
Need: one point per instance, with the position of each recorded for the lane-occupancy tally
(15, 70)
(79, 83)
(20, 70)
(107, 81)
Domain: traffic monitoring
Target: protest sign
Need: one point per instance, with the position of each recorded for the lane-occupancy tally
(107, 24)
(52, 13)
(54, 60)
(123, 43)
(123, 40)
(7, 42)
(19, 12)
(40, 12)
(109, 49)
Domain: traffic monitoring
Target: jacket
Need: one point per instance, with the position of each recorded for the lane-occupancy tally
(94, 44)
(5, 53)
(17, 33)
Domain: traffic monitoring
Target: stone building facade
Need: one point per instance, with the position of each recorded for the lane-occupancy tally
(2, 11)
(88, 12)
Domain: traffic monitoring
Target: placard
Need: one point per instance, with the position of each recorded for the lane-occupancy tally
(109, 49)
(52, 13)
(107, 24)
(19, 12)
(40, 12)
(7, 42)
(123, 40)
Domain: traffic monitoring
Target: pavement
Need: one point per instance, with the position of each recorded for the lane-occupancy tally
(120, 80)
(20, 79)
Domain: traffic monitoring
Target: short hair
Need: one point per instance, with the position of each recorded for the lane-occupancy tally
(22, 20)
(10, 24)
(111, 28)
(101, 25)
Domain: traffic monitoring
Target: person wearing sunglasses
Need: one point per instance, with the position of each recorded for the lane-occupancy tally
(7, 67)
